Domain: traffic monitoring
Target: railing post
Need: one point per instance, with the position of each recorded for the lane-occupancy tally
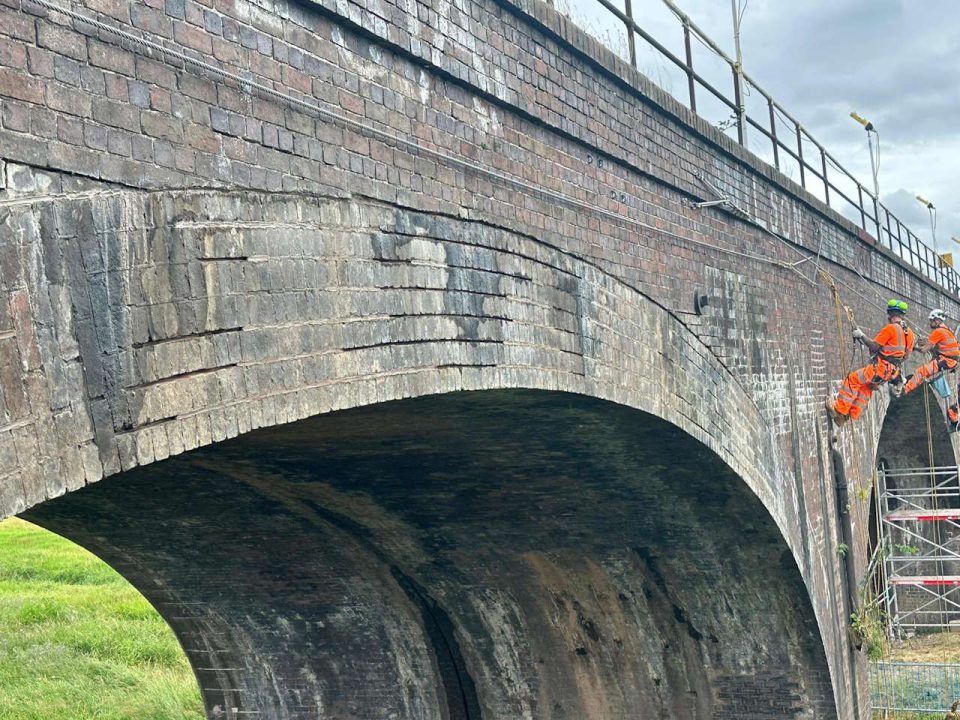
(738, 100)
(863, 213)
(889, 230)
(876, 218)
(900, 238)
(803, 174)
(826, 183)
(631, 40)
(689, 54)
(773, 134)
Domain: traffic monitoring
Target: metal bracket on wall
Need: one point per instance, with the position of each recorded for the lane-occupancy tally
(721, 200)
(711, 203)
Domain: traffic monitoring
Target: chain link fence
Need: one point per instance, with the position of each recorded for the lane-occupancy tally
(922, 689)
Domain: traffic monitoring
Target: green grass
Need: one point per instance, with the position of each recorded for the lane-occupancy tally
(942, 647)
(78, 642)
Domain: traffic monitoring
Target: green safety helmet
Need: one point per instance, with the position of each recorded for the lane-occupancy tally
(896, 306)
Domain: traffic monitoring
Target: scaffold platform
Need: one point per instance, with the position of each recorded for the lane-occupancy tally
(919, 541)
(924, 515)
(926, 580)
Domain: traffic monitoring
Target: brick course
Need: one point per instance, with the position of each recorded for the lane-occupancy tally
(511, 86)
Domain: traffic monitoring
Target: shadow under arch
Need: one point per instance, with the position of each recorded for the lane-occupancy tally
(496, 554)
(914, 433)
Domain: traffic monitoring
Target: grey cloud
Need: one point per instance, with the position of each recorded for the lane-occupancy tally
(904, 205)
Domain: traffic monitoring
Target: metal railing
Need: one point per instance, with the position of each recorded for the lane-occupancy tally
(873, 217)
(914, 687)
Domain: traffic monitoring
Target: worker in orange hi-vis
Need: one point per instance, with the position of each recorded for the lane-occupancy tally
(889, 348)
(942, 344)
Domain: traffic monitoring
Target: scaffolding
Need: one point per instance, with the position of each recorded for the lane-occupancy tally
(919, 541)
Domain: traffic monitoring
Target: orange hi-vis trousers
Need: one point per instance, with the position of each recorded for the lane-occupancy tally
(928, 370)
(858, 387)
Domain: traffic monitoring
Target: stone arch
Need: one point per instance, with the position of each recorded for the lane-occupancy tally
(493, 554)
(389, 304)
(177, 327)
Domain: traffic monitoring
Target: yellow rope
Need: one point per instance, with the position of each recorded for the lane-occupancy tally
(926, 407)
(840, 309)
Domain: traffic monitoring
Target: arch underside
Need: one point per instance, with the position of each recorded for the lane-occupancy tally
(501, 554)
(914, 432)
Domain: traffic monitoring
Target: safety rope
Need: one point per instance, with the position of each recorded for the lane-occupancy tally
(926, 407)
(840, 310)
(802, 254)
(879, 577)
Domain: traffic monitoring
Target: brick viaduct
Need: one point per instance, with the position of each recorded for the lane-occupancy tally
(401, 407)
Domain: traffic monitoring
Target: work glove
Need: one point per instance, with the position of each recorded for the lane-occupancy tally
(859, 334)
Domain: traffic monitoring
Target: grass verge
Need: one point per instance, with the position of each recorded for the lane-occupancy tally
(78, 642)
(943, 647)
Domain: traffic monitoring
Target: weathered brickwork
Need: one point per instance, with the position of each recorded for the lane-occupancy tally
(529, 543)
(183, 260)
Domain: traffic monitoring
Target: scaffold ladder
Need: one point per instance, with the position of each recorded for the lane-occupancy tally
(919, 538)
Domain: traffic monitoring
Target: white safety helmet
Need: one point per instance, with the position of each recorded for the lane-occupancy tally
(936, 315)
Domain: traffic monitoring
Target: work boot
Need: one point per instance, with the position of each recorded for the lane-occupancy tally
(837, 418)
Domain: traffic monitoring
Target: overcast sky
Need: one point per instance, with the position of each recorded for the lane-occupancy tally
(896, 62)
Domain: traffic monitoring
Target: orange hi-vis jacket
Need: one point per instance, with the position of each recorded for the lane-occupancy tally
(945, 343)
(895, 341)
(946, 356)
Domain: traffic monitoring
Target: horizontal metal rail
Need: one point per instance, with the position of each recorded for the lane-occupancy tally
(923, 476)
(873, 217)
